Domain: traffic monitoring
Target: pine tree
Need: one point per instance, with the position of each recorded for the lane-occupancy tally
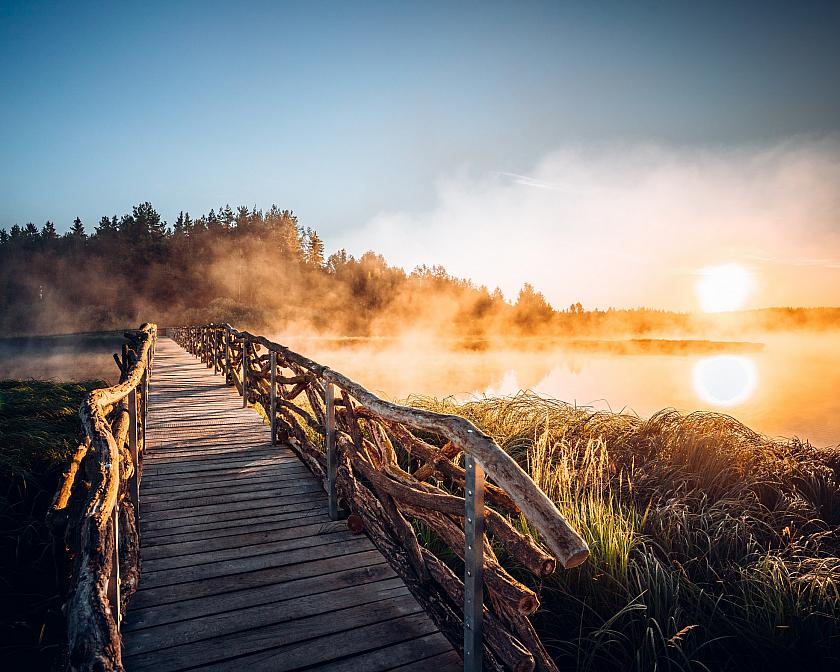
(78, 229)
(48, 231)
(314, 249)
(226, 216)
(178, 227)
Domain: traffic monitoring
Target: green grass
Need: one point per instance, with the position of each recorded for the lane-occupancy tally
(39, 430)
(713, 548)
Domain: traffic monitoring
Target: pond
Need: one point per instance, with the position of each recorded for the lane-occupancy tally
(782, 385)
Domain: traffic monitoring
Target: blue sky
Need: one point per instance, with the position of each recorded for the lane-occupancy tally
(344, 110)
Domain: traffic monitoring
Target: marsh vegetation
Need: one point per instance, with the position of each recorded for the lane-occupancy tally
(39, 430)
(713, 547)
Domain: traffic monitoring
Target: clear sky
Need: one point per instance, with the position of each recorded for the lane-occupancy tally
(367, 117)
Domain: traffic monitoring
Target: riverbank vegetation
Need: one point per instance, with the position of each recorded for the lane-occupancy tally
(264, 271)
(39, 430)
(713, 548)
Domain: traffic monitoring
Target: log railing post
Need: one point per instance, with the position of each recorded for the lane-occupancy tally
(134, 482)
(228, 371)
(245, 368)
(329, 448)
(145, 400)
(473, 564)
(215, 339)
(114, 579)
(272, 362)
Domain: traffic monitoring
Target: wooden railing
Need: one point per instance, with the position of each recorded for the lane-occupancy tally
(96, 508)
(392, 469)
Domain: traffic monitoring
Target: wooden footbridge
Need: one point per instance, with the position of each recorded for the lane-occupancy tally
(291, 543)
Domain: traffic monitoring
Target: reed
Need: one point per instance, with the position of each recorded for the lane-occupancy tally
(712, 547)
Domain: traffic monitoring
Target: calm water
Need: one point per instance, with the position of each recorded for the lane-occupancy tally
(790, 387)
(66, 358)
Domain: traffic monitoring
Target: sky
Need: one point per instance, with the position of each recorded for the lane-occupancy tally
(605, 152)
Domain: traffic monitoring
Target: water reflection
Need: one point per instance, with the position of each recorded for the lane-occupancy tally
(725, 380)
(788, 388)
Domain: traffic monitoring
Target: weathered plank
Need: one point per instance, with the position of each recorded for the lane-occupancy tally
(241, 566)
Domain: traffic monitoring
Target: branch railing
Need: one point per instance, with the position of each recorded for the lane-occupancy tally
(392, 470)
(96, 509)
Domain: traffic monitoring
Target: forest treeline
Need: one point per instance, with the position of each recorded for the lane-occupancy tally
(263, 270)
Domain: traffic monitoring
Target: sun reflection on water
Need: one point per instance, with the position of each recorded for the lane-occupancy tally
(725, 380)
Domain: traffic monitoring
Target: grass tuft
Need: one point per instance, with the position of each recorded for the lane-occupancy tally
(713, 547)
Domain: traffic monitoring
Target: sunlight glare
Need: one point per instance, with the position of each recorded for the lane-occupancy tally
(725, 380)
(722, 288)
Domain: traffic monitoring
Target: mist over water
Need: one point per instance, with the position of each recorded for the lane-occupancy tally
(779, 384)
(786, 388)
(65, 358)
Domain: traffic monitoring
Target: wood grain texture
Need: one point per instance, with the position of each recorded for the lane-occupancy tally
(241, 566)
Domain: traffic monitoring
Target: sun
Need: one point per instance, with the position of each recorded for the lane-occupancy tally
(724, 287)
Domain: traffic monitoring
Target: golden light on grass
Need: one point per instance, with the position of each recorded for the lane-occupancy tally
(725, 380)
(724, 287)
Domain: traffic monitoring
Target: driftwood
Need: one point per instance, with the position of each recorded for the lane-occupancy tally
(93, 501)
(390, 502)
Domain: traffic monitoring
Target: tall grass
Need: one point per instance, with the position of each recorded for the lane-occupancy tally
(713, 547)
(39, 430)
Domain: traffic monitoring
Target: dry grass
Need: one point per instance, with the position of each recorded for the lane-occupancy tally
(713, 547)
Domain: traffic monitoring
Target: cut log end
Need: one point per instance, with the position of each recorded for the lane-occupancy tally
(550, 566)
(576, 558)
(528, 604)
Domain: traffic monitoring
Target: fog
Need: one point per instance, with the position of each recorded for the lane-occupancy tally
(630, 225)
(785, 386)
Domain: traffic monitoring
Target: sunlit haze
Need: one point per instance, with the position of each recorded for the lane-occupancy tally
(603, 154)
(724, 287)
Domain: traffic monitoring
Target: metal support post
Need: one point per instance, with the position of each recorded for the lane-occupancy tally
(473, 564)
(329, 448)
(272, 362)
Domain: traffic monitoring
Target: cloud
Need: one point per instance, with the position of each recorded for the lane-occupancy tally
(629, 225)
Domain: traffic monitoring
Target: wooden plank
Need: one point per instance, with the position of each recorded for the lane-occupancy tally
(264, 509)
(253, 562)
(449, 661)
(362, 636)
(229, 622)
(222, 464)
(185, 610)
(221, 555)
(249, 538)
(174, 502)
(241, 566)
(147, 597)
(271, 521)
(209, 485)
(256, 500)
(223, 475)
(422, 649)
(284, 640)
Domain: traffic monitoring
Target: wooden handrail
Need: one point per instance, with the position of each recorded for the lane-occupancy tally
(357, 432)
(95, 508)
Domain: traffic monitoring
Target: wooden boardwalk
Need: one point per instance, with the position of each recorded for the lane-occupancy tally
(241, 566)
